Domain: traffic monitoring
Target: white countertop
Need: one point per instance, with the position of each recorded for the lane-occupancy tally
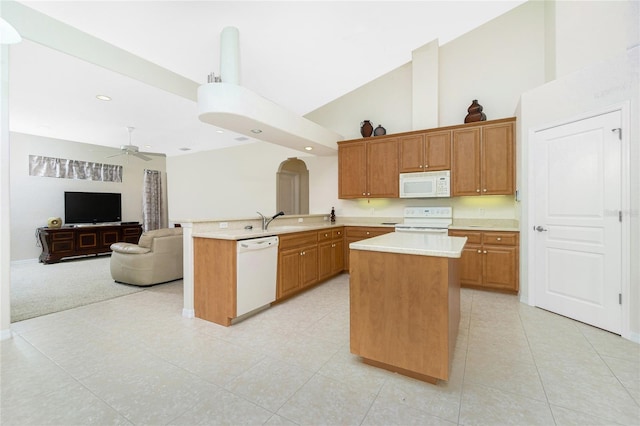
(413, 243)
(243, 234)
(486, 225)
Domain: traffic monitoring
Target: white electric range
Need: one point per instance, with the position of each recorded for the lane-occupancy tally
(426, 220)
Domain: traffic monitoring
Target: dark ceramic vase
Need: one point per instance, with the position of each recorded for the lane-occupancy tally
(366, 128)
(475, 113)
(379, 131)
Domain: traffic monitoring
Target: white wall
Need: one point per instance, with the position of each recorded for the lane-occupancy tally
(386, 101)
(34, 199)
(494, 64)
(587, 32)
(226, 183)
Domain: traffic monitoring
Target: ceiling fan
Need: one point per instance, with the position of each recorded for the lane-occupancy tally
(133, 150)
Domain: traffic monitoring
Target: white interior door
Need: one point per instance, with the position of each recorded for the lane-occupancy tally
(578, 271)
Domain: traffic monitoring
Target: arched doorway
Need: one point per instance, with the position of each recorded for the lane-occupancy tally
(292, 187)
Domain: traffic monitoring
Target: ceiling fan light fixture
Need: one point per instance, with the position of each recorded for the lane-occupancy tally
(256, 131)
(308, 148)
(103, 97)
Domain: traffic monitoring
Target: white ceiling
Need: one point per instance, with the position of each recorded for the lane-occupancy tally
(300, 55)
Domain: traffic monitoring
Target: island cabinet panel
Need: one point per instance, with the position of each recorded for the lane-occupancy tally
(359, 233)
(215, 277)
(368, 169)
(430, 151)
(490, 260)
(401, 318)
(483, 159)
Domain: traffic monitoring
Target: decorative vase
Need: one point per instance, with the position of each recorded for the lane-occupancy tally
(379, 131)
(366, 128)
(475, 113)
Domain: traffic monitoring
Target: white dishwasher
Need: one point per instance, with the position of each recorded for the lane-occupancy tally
(257, 270)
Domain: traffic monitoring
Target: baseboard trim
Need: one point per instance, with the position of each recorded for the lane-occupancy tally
(6, 334)
(24, 261)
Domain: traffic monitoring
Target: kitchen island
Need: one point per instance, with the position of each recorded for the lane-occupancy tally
(405, 302)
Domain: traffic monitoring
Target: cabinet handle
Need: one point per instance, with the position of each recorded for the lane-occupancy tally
(484, 190)
(367, 232)
(477, 190)
(368, 193)
(479, 251)
(499, 239)
(420, 165)
(326, 235)
(426, 166)
(302, 254)
(485, 252)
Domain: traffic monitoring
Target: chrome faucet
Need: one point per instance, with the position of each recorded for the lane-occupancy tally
(266, 221)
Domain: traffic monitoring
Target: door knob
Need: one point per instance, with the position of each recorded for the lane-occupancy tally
(540, 229)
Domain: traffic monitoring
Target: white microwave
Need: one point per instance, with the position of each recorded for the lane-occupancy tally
(425, 184)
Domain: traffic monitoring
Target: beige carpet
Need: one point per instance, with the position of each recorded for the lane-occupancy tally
(38, 289)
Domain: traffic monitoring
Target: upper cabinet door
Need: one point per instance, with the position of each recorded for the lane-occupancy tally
(437, 151)
(465, 173)
(411, 156)
(352, 170)
(498, 158)
(382, 168)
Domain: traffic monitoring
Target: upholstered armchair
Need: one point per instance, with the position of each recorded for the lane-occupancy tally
(157, 258)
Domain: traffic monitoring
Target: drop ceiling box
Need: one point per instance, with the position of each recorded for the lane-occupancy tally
(240, 110)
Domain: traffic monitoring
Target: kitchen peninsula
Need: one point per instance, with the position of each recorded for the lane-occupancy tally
(405, 302)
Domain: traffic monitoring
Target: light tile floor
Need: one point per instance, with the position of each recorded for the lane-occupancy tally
(135, 360)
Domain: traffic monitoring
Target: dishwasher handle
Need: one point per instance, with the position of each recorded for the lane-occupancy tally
(257, 244)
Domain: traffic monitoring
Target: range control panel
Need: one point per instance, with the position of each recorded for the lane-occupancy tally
(428, 212)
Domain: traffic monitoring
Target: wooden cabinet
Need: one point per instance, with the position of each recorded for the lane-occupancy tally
(405, 312)
(215, 279)
(330, 253)
(297, 262)
(368, 168)
(483, 158)
(60, 243)
(490, 260)
(430, 151)
(359, 233)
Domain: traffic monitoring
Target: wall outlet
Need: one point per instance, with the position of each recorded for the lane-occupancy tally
(300, 220)
(224, 225)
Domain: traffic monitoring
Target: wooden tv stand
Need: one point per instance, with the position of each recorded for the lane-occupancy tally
(73, 241)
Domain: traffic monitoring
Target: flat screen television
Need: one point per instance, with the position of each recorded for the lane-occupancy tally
(92, 207)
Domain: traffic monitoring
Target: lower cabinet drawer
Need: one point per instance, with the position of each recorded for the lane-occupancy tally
(298, 239)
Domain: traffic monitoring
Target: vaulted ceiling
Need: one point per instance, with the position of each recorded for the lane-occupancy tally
(299, 54)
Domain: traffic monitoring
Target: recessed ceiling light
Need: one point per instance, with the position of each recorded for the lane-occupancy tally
(185, 149)
(256, 131)
(147, 146)
(103, 97)
(308, 148)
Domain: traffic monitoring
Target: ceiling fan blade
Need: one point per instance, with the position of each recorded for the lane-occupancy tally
(141, 156)
(115, 155)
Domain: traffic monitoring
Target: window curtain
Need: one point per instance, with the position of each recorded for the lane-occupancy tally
(152, 201)
(73, 169)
